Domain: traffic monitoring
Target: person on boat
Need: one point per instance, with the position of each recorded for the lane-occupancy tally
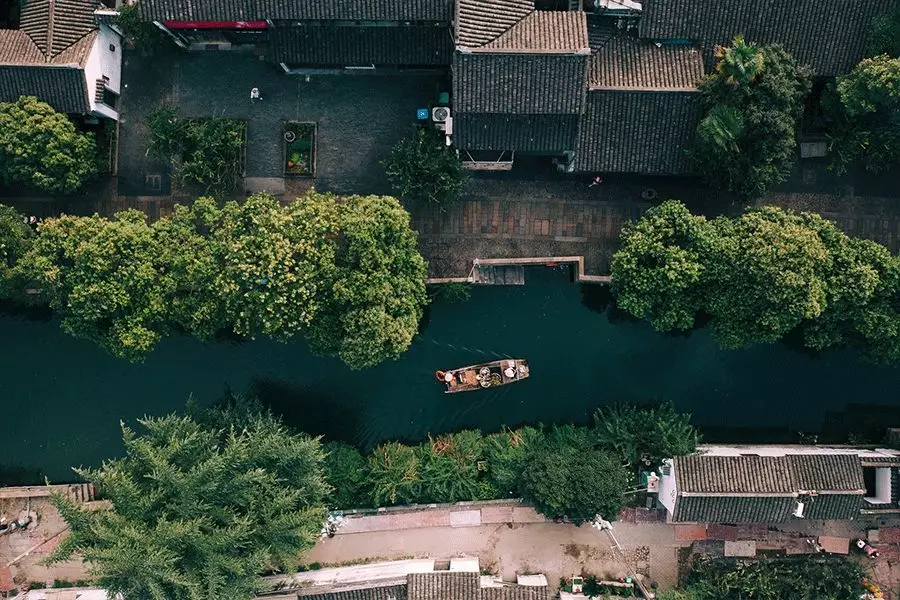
(510, 372)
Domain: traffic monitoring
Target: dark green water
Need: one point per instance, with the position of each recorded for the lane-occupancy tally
(63, 398)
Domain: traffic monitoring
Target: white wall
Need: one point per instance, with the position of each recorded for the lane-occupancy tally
(782, 450)
(104, 62)
(668, 491)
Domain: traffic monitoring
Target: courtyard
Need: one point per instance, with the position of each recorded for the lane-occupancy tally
(358, 117)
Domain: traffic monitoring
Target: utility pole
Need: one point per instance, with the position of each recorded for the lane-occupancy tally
(603, 525)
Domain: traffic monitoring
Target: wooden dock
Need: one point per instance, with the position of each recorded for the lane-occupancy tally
(498, 275)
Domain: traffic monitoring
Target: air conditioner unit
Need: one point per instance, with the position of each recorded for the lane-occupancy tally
(445, 126)
(440, 114)
(798, 509)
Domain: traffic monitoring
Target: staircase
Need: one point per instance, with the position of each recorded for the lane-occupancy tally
(81, 492)
(499, 275)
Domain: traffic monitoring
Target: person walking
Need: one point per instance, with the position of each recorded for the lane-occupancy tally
(596, 181)
(254, 94)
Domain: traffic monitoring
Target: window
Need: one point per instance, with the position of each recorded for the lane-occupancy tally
(110, 98)
(112, 47)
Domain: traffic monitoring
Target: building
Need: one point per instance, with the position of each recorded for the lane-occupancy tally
(586, 85)
(777, 484)
(67, 55)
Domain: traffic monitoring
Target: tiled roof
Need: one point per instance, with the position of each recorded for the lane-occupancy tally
(257, 10)
(358, 46)
(833, 506)
(637, 132)
(389, 592)
(446, 585)
(63, 88)
(523, 133)
(481, 21)
(54, 25)
(748, 474)
(829, 35)
(827, 472)
(16, 48)
(731, 509)
(545, 31)
(519, 83)
(628, 63)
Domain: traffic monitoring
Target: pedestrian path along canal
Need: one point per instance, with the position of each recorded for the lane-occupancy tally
(63, 398)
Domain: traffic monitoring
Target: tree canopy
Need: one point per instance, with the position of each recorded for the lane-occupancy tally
(16, 238)
(745, 143)
(345, 272)
(422, 168)
(759, 277)
(567, 474)
(41, 148)
(198, 511)
(864, 107)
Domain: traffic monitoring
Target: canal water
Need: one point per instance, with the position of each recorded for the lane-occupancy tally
(63, 398)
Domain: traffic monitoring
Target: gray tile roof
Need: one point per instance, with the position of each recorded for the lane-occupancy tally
(725, 509)
(833, 506)
(524, 133)
(358, 46)
(829, 35)
(625, 62)
(254, 10)
(700, 474)
(63, 88)
(389, 592)
(519, 83)
(625, 131)
(444, 585)
(481, 21)
(545, 31)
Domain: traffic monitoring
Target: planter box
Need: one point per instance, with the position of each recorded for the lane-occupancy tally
(299, 154)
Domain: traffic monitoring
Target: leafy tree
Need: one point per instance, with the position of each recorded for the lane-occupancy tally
(377, 291)
(422, 168)
(452, 465)
(800, 577)
(885, 34)
(167, 133)
(396, 474)
(198, 512)
(767, 276)
(745, 142)
(275, 263)
(506, 452)
(348, 474)
(144, 35)
(658, 271)
(100, 276)
(567, 475)
(865, 110)
(643, 437)
(741, 63)
(16, 238)
(41, 149)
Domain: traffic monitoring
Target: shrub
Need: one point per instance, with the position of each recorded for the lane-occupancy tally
(422, 168)
(348, 474)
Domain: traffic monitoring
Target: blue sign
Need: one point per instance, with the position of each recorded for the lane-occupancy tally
(422, 114)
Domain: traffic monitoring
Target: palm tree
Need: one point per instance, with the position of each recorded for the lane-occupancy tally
(721, 129)
(741, 63)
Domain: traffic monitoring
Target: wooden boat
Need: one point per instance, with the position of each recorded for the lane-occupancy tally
(484, 376)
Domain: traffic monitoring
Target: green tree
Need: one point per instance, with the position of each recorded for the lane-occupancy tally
(452, 468)
(885, 35)
(167, 133)
(567, 474)
(658, 271)
(275, 263)
(396, 474)
(100, 276)
(212, 155)
(198, 512)
(16, 238)
(422, 168)
(745, 142)
(377, 291)
(767, 276)
(741, 63)
(864, 108)
(144, 35)
(643, 437)
(41, 148)
(506, 452)
(348, 474)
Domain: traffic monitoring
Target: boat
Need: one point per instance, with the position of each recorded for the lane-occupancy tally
(484, 376)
